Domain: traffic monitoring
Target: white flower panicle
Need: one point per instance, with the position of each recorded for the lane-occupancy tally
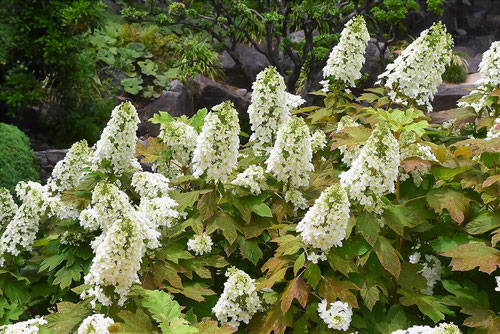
(252, 178)
(25, 327)
(114, 152)
(67, 172)
(490, 78)
(494, 131)
(239, 301)
(290, 158)
(181, 138)
(498, 283)
(324, 225)
(432, 271)
(108, 205)
(416, 74)
(216, 152)
(490, 65)
(200, 244)
(21, 231)
(150, 185)
(374, 172)
(118, 257)
(348, 155)
(338, 316)
(443, 328)
(95, 324)
(8, 207)
(296, 198)
(347, 58)
(318, 141)
(270, 108)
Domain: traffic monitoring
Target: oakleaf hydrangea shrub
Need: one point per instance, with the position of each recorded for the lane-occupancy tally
(361, 215)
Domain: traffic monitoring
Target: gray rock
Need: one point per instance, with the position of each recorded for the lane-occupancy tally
(474, 63)
(115, 76)
(207, 94)
(372, 62)
(177, 102)
(112, 7)
(252, 62)
(447, 95)
(48, 160)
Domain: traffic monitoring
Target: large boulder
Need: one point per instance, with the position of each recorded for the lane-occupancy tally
(372, 66)
(48, 160)
(177, 102)
(252, 62)
(207, 94)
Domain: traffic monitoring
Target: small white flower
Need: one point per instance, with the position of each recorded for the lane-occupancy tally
(498, 283)
(296, 198)
(8, 207)
(315, 258)
(181, 138)
(252, 178)
(415, 257)
(25, 327)
(318, 141)
(338, 316)
(443, 328)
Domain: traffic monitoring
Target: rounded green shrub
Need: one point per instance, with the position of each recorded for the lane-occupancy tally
(17, 161)
(454, 74)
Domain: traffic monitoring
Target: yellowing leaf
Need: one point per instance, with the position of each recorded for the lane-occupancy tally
(152, 152)
(332, 289)
(212, 327)
(469, 256)
(388, 256)
(456, 202)
(296, 289)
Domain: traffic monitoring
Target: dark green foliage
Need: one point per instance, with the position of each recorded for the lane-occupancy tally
(17, 161)
(454, 74)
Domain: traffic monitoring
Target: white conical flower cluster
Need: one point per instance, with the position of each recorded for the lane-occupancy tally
(200, 244)
(443, 328)
(95, 324)
(8, 207)
(348, 155)
(416, 74)
(126, 233)
(270, 108)
(216, 152)
(324, 225)
(432, 270)
(318, 141)
(252, 178)
(490, 72)
(338, 316)
(21, 231)
(118, 257)
(239, 301)
(25, 327)
(290, 158)
(67, 172)
(347, 58)
(114, 152)
(374, 172)
(156, 205)
(181, 138)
